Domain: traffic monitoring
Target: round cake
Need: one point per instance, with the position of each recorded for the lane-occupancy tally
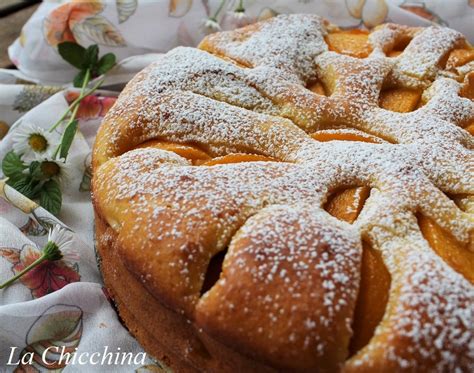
(292, 196)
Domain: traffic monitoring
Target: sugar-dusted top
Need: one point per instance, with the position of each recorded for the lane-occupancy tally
(290, 279)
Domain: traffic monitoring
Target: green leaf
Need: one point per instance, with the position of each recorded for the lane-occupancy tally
(100, 30)
(72, 53)
(35, 171)
(36, 189)
(25, 185)
(92, 56)
(14, 178)
(106, 63)
(12, 164)
(79, 78)
(50, 197)
(68, 136)
(17, 180)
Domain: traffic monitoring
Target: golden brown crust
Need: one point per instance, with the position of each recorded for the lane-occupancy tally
(286, 296)
(294, 332)
(166, 335)
(293, 336)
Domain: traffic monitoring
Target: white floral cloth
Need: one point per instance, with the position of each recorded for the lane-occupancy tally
(63, 303)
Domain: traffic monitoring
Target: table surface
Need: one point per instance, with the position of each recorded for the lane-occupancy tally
(13, 15)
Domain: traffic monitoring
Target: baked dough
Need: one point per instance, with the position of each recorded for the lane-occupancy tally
(332, 173)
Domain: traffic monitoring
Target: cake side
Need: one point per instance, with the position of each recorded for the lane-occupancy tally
(165, 334)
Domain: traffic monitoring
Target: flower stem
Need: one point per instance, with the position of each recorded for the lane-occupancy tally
(78, 100)
(240, 7)
(219, 9)
(36, 263)
(74, 107)
(75, 102)
(51, 252)
(86, 80)
(71, 119)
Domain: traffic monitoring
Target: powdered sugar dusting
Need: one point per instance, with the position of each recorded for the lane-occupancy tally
(287, 42)
(193, 212)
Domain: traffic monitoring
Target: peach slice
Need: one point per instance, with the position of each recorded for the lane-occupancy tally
(318, 88)
(459, 57)
(400, 45)
(470, 128)
(394, 53)
(354, 43)
(458, 256)
(372, 299)
(238, 158)
(401, 100)
(347, 204)
(375, 278)
(467, 89)
(343, 135)
(187, 151)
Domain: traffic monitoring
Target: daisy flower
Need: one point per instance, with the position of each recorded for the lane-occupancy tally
(239, 15)
(59, 241)
(56, 169)
(237, 18)
(211, 25)
(60, 237)
(31, 141)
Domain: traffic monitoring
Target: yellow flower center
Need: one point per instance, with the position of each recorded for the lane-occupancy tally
(50, 169)
(38, 142)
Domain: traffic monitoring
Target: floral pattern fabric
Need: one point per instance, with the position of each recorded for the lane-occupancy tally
(135, 27)
(63, 304)
(47, 277)
(59, 305)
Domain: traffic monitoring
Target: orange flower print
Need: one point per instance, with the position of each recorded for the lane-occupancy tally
(59, 328)
(59, 25)
(46, 277)
(179, 8)
(91, 106)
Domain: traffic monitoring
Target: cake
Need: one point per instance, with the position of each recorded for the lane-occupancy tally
(292, 196)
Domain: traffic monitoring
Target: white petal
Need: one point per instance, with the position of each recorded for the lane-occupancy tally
(22, 135)
(60, 236)
(374, 12)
